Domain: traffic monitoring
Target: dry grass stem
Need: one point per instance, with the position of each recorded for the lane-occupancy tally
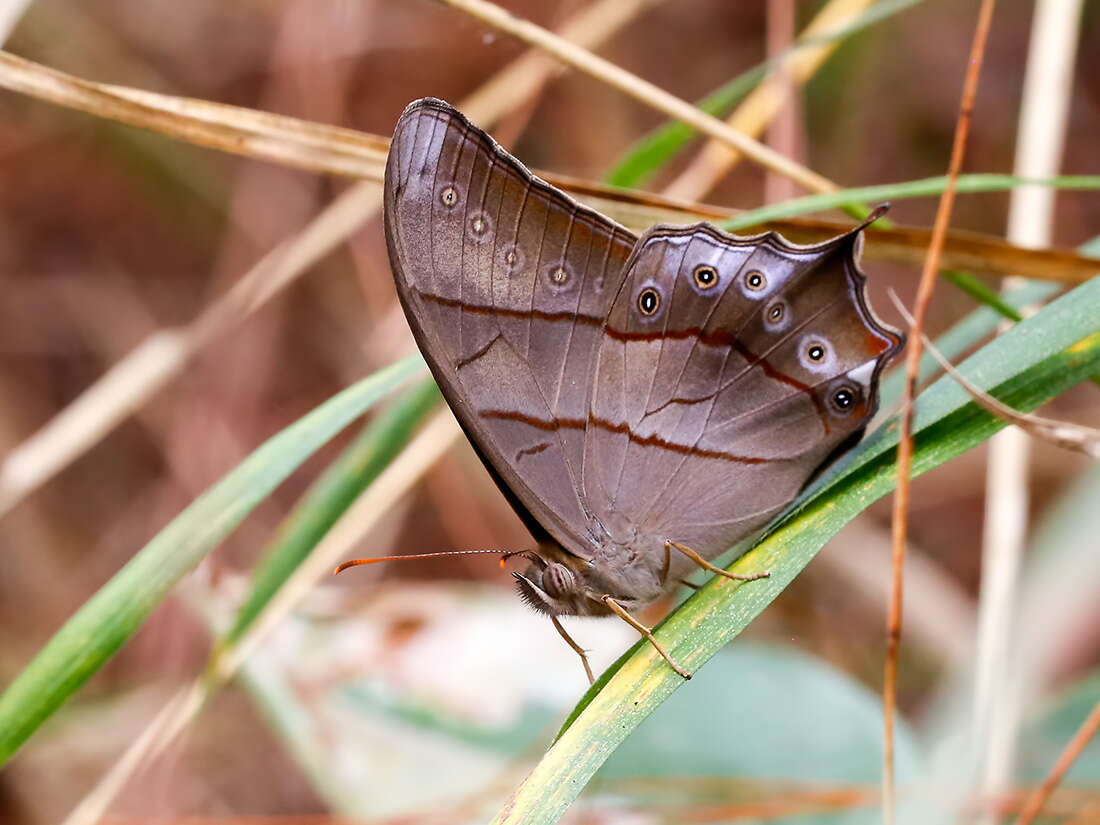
(905, 443)
(758, 109)
(183, 118)
(999, 684)
(173, 718)
(11, 12)
(285, 140)
(786, 131)
(970, 251)
(157, 327)
(437, 436)
(279, 268)
(1064, 434)
(1065, 761)
(125, 387)
(518, 82)
(643, 91)
(131, 382)
(358, 520)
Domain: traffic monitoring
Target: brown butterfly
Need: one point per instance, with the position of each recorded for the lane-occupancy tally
(644, 403)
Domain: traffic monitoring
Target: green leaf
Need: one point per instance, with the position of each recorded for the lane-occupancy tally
(1031, 363)
(968, 283)
(963, 335)
(768, 712)
(981, 293)
(1091, 247)
(330, 496)
(654, 150)
(110, 617)
(926, 187)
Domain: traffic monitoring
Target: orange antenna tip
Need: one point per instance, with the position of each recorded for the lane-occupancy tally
(340, 568)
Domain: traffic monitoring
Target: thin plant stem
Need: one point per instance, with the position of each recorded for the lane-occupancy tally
(287, 262)
(759, 107)
(642, 90)
(375, 502)
(999, 681)
(156, 362)
(912, 367)
(1065, 761)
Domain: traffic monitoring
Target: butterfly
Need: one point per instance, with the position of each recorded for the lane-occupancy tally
(643, 402)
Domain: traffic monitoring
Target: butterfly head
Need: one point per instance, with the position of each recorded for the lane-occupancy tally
(560, 584)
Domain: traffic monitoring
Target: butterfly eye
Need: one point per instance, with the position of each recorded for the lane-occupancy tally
(558, 581)
(816, 353)
(843, 399)
(755, 280)
(449, 197)
(648, 301)
(706, 276)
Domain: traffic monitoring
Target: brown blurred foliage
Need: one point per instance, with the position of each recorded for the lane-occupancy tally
(108, 234)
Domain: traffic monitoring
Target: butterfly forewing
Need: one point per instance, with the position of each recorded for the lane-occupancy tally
(506, 283)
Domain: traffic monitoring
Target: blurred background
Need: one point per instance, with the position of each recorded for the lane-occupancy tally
(424, 690)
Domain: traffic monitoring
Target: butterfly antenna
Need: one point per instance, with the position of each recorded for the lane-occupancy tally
(504, 556)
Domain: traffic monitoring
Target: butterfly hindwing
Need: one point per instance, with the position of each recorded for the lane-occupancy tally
(716, 383)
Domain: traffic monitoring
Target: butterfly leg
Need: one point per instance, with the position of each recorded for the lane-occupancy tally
(706, 565)
(663, 576)
(645, 631)
(576, 648)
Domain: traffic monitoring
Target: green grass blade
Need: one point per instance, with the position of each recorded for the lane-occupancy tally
(330, 495)
(981, 293)
(962, 336)
(112, 615)
(1031, 363)
(646, 157)
(926, 187)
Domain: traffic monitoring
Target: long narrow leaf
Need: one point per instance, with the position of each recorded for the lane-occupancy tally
(330, 496)
(981, 293)
(964, 335)
(926, 187)
(1034, 361)
(110, 617)
(655, 149)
